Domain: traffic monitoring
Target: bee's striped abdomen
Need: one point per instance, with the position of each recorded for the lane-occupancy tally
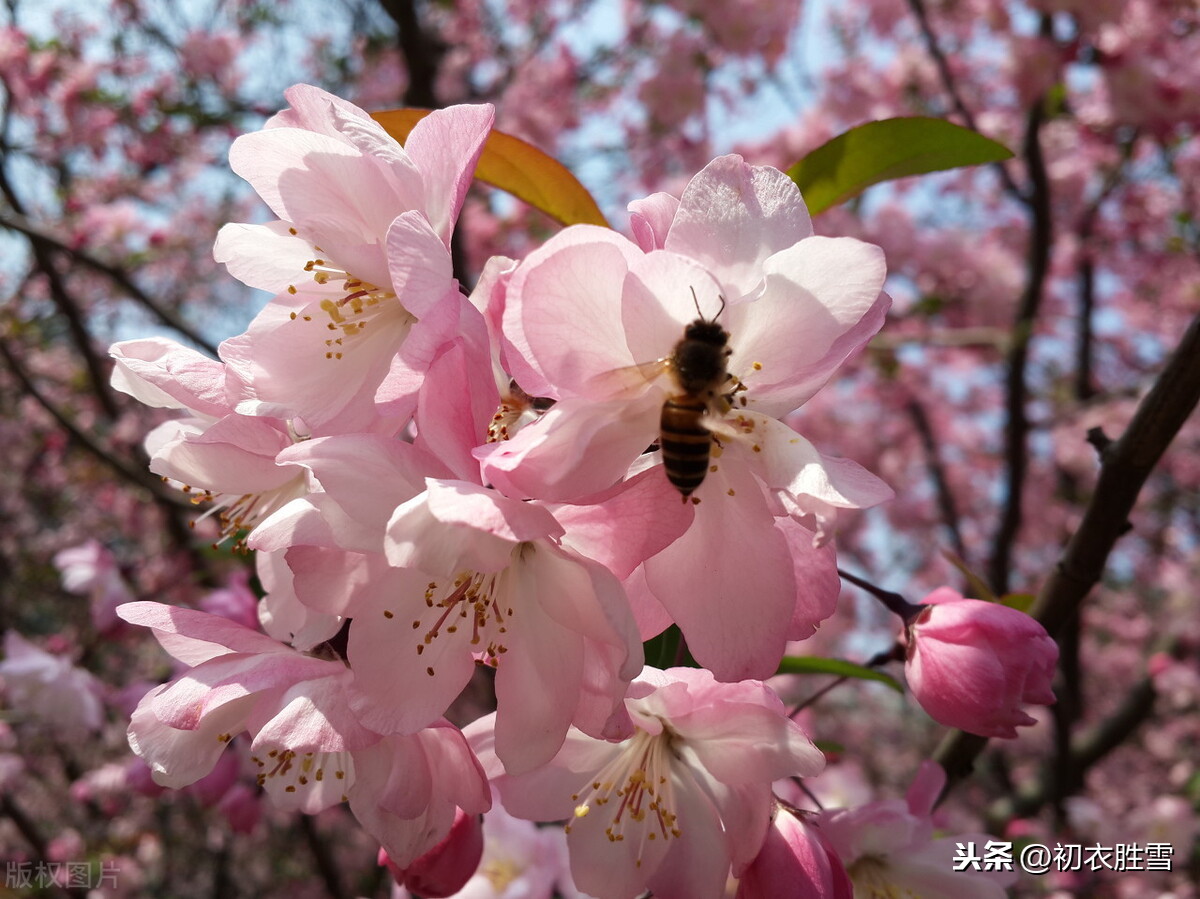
(684, 441)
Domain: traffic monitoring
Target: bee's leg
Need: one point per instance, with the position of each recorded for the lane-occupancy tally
(733, 396)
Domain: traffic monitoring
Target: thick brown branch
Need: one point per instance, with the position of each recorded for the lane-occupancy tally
(422, 54)
(1125, 465)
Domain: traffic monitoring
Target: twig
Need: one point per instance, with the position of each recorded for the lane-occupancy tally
(1084, 388)
(1016, 452)
(894, 602)
(116, 274)
(1135, 710)
(937, 471)
(67, 306)
(326, 864)
(28, 829)
(943, 67)
(142, 479)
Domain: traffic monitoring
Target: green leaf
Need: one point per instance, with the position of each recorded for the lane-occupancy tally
(1022, 602)
(839, 667)
(884, 150)
(517, 167)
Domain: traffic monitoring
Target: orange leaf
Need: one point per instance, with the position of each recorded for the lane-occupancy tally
(517, 167)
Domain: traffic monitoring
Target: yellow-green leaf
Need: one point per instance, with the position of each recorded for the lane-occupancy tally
(1022, 602)
(881, 151)
(979, 587)
(517, 167)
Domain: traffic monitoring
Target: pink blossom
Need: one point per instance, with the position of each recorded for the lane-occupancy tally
(588, 307)
(361, 251)
(90, 569)
(409, 789)
(439, 575)
(520, 861)
(222, 457)
(795, 858)
(889, 850)
(676, 805)
(480, 576)
(236, 601)
(241, 680)
(242, 807)
(310, 750)
(281, 613)
(49, 689)
(973, 664)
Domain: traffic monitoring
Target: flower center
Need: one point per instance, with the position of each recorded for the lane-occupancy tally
(361, 303)
(309, 778)
(517, 409)
(239, 513)
(637, 783)
(500, 872)
(473, 598)
(870, 874)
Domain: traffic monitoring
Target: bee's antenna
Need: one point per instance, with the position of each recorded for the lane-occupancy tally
(700, 314)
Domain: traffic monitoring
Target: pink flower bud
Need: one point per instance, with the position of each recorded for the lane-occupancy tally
(446, 868)
(795, 860)
(973, 664)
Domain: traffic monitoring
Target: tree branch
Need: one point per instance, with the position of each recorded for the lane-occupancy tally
(1086, 751)
(947, 77)
(70, 311)
(422, 54)
(937, 471)
(116, 274)
(140, 478)
(1125, 465)
(1016, 452)
(322, 855)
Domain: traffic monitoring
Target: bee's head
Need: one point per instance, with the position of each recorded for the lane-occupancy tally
(705, 331)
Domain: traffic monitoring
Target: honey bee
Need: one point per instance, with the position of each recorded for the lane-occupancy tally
(703, 390)
(697, 364)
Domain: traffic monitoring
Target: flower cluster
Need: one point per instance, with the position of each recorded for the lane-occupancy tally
(533, 479)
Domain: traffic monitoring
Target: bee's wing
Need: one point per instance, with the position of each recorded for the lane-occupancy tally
(629, 380)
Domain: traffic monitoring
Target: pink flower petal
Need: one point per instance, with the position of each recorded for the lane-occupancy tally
(194, 637)
(577, 449)
(563, 310)
(418, 263)
(730, 556)
(732, 216)
(650, 220)
(445, 146)
(164, 374)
